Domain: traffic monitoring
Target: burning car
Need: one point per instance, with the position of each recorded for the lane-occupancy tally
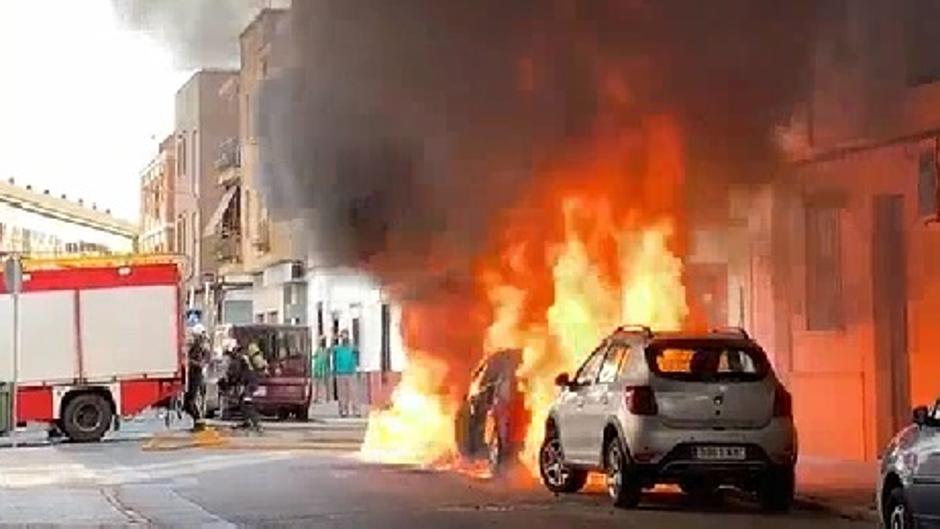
(492, 420)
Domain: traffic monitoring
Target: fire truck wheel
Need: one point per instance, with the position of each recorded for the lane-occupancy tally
(86, 418)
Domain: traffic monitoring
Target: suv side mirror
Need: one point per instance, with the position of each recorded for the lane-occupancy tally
(562, 380)
(921, 415)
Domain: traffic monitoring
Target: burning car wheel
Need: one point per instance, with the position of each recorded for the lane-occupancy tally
(494, 445)
(556, 475)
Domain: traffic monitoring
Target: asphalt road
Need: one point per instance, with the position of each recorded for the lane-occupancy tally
(119, 484)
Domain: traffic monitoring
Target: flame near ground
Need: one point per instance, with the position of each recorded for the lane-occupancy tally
(596, 244)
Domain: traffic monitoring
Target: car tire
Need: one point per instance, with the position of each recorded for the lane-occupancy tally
(897, 514)
(495, 456)
(623, 489)
(302, 414)
(776, 489)
(556, 475)
(86, 418)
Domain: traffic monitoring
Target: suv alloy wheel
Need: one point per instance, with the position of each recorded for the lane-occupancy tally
(622, 488)
(556, 475)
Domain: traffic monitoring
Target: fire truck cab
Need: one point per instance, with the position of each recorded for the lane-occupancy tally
(99, 338)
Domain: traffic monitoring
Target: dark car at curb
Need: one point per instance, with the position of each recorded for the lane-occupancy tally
(908, 493)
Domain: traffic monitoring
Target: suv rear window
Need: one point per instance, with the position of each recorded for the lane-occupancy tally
(707, 361)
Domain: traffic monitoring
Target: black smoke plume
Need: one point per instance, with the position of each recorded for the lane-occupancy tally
(402, 127)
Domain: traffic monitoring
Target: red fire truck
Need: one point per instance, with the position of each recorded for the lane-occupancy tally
(99, 338)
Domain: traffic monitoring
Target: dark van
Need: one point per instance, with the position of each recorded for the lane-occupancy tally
(285, 386)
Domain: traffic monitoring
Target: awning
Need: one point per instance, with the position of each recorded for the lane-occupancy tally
(216, 217)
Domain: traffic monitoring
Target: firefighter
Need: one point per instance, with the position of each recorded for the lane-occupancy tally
(196, 357)
(242, 380)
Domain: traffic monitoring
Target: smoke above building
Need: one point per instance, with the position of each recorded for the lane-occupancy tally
(402, 127)
(199, 33)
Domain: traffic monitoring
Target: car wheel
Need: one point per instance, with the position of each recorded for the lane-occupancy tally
(622, 488)
(898, 515)
(494, 456)
(86, 418)
(776, 489)
(556, 475)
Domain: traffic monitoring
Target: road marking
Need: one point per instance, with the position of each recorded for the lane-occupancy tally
(132, 515)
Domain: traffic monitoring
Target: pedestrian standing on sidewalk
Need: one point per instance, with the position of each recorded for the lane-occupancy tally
(321, 371)
(346, 368)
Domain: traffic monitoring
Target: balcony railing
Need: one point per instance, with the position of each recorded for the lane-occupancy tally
(228, 247)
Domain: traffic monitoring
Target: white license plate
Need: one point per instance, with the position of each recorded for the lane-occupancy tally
(720, 453)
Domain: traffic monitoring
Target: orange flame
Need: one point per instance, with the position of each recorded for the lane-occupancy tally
(596, 244)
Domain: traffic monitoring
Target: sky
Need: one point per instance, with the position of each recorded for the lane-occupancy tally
(83, 101)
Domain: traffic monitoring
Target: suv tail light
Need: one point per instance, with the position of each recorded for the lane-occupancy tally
(783, 402)
(641, 400)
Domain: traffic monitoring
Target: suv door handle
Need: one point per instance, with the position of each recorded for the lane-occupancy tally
(605, 399)
(579, 402)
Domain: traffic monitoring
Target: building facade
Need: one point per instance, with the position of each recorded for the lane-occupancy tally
(157, 201)
(265, 276)
(832, 263)
(40, 224)
(261, 275)
(204, 120)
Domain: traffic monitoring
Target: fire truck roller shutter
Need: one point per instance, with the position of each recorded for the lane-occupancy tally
(129, 331)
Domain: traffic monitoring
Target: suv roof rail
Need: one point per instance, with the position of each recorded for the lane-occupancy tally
(731, 330)
(636, 328)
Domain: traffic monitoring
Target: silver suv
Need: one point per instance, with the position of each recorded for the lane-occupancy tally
(698, 410)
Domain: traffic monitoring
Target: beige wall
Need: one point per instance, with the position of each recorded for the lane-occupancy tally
(204, 118)
(157, 201)
(265, 242)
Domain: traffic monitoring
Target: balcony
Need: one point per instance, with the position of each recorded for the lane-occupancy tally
(228, 247)
(228, 162)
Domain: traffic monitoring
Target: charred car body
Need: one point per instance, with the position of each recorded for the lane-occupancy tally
(491, 423)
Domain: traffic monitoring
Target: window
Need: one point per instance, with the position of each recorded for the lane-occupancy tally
(259, 318)
(612, 363)
(356, 332)
(194, 164)
(927, 185)
(824, 306)
(289, 346)
(181, 156)
(923, 64)
(708, 362)
(182, 242)
(588, 372)
(272, 316)
(386, 364)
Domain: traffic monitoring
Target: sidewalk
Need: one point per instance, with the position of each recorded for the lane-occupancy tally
(846, 488)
